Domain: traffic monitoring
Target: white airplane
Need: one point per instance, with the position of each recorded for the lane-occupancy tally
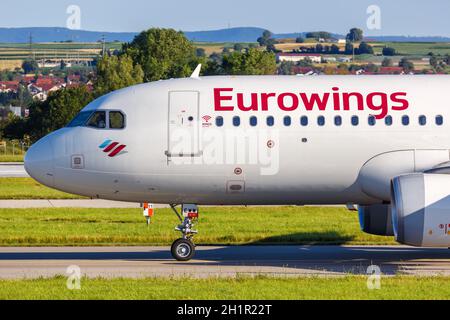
(377, 143)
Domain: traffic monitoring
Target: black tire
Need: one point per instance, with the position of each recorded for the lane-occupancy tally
(183, 250)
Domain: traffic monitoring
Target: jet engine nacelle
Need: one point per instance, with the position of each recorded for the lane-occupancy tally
(421, 209)
(376, 219)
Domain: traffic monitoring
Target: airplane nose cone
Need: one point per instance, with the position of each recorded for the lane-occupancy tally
(39, 162)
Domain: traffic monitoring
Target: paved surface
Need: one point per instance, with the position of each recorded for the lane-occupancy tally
(223, 261)
(12, 170)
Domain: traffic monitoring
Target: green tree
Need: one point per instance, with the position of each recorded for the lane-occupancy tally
(251, 62)
(286, 68)
(162, 54)
(200, 52)
(348, 48)
(446, 59)
(434, 61)
(355, 35)
(407, 65)
(387, 62)
(318, 35)
(114, 73)
(238, 47)
(14, 128)
(29, 66)
(373, 68)
(334, 49)
(56, 112)
(265, 38)
(387, 51)
(299, 40)
(365, 48)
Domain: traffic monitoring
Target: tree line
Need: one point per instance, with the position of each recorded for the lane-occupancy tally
(155, 54)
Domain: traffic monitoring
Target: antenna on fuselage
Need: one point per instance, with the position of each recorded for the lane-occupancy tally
(196, 73)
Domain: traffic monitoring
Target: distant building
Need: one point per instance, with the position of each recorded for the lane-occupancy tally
(345, 59)
(391, 70)
(329, 59)
(17, 111)
(339, 41)
(297, 57)
(9, 86)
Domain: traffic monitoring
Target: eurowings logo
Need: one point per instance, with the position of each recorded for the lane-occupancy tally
(112, 148)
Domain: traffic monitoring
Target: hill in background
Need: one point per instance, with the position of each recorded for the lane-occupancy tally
(244, 34)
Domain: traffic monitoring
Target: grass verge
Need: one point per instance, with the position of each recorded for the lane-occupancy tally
(350, 287)
(27, 188)
(11, 158)
(218, 225)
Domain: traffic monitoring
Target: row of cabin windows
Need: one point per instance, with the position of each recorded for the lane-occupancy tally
(355, 120)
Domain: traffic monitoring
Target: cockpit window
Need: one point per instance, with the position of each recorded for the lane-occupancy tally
(80, 119)
(116, 120)
(97, 120)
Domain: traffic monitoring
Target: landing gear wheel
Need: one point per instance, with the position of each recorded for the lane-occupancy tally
(183, 250)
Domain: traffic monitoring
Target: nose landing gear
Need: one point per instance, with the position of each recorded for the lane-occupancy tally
(183, 249)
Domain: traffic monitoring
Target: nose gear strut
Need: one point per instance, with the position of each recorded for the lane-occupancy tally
(183, 249)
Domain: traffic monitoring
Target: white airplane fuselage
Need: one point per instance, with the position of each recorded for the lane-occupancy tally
(174, 149)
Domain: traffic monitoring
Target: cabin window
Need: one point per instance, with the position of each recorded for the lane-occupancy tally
(405, 120)
(372, 121)
(253, 121)
(304, 121)
(422, 120)
(287, 121)
(236, 121)
(355, 120)
(116, 120)
(219, 121)
(439, 120)
(97, 120)
(270, 121)
(321, 121)
(338, 121)
(80, 119)
(388, 120)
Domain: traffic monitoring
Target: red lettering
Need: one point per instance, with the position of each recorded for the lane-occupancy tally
(336, 99)
(359, 100)
(254, 103)
(265, 100)
(218, 98)
(383, 106)
(404, 103)
(294, 102)
(315, 99)
(288, 101)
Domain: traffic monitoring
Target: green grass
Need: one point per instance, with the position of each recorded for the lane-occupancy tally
(350, 287)
(27, 188)
(21, 51)
(219, 226)
(414, 48)
(11, 158)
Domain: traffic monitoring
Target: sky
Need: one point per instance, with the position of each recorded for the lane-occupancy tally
(397, 17)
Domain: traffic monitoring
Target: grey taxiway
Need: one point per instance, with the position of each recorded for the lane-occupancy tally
(289, 261)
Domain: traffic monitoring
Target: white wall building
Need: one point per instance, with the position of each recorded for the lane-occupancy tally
(296, 57)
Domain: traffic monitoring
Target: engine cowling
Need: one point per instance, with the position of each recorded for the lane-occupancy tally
(421, 209)
(376, 220)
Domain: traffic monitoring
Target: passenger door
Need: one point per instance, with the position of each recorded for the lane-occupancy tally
(184, 124)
